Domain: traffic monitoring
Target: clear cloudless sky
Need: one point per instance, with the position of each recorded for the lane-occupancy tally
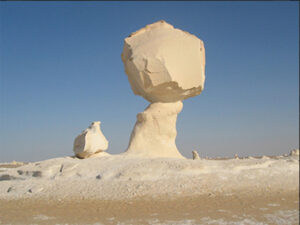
(61, 69)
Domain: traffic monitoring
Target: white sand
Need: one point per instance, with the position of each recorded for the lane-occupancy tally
(124, 177)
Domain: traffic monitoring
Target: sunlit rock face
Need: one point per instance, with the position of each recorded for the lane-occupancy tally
(164, 64)
(294, 152)
(155, 132)
(195, 155)
(90, 142)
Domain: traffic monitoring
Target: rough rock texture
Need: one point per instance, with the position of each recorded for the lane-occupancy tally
(90, 141)
(128, 176)
(195, 155)
(164, 64)
(155, 132)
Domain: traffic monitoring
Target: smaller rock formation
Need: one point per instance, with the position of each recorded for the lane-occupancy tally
(294, 152)
(195, 155)
(90, 141)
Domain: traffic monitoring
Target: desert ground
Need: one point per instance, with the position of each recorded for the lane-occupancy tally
(117, 189)
(281, 208)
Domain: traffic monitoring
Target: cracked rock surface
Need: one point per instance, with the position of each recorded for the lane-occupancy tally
(164, 64)
(90, 142)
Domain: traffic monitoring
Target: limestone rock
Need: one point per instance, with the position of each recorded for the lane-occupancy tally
(294, 152)
(90, 141)
(195, 155)
(155, 132)
(164, 64)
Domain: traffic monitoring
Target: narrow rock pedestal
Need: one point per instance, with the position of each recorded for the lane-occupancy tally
(155, 132)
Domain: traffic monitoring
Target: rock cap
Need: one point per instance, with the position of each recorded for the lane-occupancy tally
(164, 64)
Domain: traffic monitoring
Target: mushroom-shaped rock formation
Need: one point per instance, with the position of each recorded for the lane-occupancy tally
(164, 65)
(90, 141)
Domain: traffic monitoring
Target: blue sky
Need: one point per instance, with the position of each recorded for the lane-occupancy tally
(61, 69)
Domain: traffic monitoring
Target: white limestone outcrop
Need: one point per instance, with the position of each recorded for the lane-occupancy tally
(90, 142)
(195, 155)
(294, 152)
(164, 64)
(155, 132)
